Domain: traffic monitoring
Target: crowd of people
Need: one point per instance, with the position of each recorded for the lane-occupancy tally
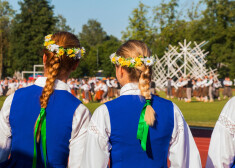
(203, 89)
(105, 89)
(95, 89)
(88, 89)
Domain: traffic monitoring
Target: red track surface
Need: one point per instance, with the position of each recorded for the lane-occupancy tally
(203, 146)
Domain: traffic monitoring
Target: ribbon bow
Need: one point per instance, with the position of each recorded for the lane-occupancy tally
(143, 127)
(41, 120)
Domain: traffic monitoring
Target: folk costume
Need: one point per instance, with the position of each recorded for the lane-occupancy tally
(222, 146)
(44, 135)
(112, 133)
(66, 126)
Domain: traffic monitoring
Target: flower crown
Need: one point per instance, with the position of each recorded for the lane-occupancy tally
(132, 62)
(75, 53)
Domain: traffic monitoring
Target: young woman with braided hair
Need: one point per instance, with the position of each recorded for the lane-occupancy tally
(44, 124)
(138, 129)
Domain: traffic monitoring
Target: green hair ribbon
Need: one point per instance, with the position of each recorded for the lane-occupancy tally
(42, 120)
(143, 127)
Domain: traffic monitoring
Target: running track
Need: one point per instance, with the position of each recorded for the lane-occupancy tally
(202, 138)
(202, 145)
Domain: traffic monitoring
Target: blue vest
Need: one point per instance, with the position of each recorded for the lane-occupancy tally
(24, 111)
(124, 118)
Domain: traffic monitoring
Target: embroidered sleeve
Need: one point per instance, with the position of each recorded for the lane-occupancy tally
(227, 123)
(178, 132)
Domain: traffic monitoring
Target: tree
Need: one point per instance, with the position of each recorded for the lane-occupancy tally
(35, 21)
(138, 28)
(6, 15)
(61, 25)
(105, 50)
(165, 14)
(218, 21)
(92, 33)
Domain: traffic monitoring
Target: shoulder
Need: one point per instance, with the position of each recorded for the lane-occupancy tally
(161, 100)
(82, 112)
(101, 115)
(114, 101)
(67, 96)
(228, 110)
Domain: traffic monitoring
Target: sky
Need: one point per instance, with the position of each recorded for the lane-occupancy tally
(112, 14)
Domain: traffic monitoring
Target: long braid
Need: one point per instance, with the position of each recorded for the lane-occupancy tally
(48, 89)
(144, 86)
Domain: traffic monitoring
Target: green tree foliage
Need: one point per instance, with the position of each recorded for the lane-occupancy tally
(105, 50)
(219, 23)
(6, 15)
(92, 33)
(138, 28)
(35, 20)
(61, 25)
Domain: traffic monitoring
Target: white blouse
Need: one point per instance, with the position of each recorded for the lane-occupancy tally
(183, 152)
(222, 146)
(81, 120)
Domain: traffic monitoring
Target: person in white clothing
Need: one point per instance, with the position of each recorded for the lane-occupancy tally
(86, 89)
(1, 90)
(44, 125)
(138, 129)
(227, 88)
(216, 86)
(222, 146)
(209, 84)
(104, 88)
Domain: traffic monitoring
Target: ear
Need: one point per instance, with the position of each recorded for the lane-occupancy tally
(44, 58)
(121, 71)
(74, 67)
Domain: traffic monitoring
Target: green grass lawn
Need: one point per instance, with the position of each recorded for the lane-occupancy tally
(195, 113)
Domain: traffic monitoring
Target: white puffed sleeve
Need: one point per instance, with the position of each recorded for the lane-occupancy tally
(96, 153)
(77, 143)
(5, 129)
(183, 152)
(222, 146)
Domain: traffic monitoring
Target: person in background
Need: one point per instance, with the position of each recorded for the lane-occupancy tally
(209, 84)
(189, 87)
(216, 86)
(169, 87)
(110, 88)
(222, 145)
(86, 89)
(104, 88)
(227, 88)
(1, 90)
(5, 87)
(204, 89)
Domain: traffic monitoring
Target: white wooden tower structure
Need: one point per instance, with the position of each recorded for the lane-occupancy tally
(181, 61)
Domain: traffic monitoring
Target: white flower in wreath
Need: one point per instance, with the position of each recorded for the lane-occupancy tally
(132, 60)
(148, 61)
(53, 47)
(153, 58)
(78, 55)
(112, 55)
(76, 51)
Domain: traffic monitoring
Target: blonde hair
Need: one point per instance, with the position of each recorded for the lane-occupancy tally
(142, 74)
(56, 66)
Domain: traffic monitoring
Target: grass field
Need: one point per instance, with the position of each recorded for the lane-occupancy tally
(195, 113)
